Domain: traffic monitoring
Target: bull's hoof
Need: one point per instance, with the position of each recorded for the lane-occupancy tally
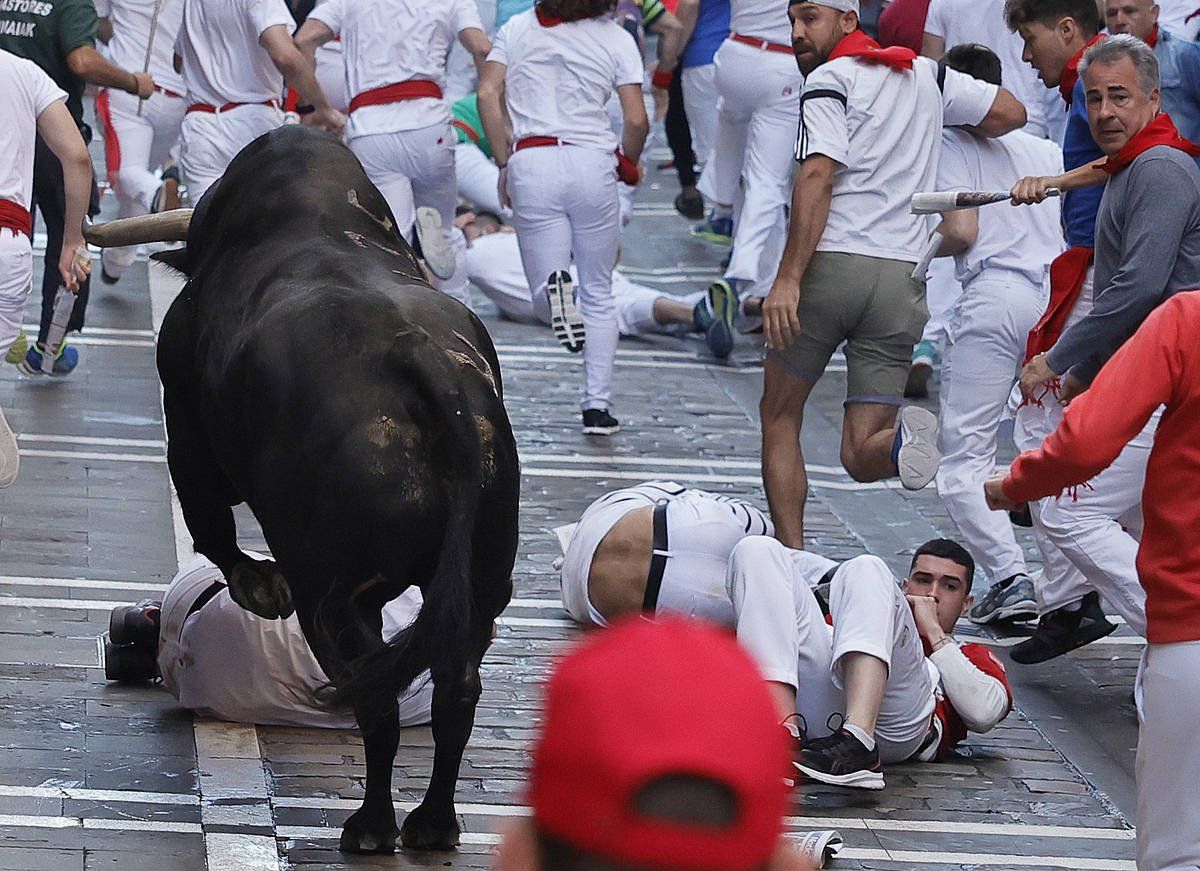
(260, 588)
(361, 835)
(424, 830)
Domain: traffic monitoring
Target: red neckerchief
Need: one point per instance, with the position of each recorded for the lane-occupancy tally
(1070, 73)
(1153, 38)
(546, 19)
(1068, 273)
(861, 46)
(1160, 131)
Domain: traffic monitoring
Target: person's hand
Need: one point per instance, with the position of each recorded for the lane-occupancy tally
(74, 264)
(1034, 374)
(143, 85)
(328, 119)
(502, 188)
(1030, 190)
(1070, 387)
(993, 494)
(924, 610)
(781, 322)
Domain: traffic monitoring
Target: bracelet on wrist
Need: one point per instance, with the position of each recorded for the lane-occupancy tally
(306, 109)
(941, 642)
(662, 79)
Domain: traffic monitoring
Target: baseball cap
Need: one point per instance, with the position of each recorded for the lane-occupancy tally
(642, 701)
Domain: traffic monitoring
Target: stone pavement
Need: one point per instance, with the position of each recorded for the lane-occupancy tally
(94, 775)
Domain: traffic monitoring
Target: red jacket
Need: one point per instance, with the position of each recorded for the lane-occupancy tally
(1159, 365)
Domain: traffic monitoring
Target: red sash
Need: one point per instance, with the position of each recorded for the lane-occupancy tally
(1070, 73)
(1160, 131)
(777, 47)
(15, 217)
(861, 46)
(1068, 272)
(413, 89)
(210, 109)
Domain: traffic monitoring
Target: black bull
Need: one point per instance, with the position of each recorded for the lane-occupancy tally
(310, 372)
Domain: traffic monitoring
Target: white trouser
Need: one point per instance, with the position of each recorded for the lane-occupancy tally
(565, 205)
(415, 168)
(134, 149)
(225, 662)
(780, 625)
(986, 332)
(16, 279)
(702, 532)
(210, 140)
(1168, 760)
(699, 86)
(759, 112)
(477, 178)
(942, 288)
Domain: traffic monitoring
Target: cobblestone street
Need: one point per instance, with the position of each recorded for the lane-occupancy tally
(94, 775)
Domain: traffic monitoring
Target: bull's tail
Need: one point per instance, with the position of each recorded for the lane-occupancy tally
(441, 634)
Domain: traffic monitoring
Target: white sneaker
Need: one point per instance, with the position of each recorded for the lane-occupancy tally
(918, 457)
(10, 456)
(565, 319)
(439, 255)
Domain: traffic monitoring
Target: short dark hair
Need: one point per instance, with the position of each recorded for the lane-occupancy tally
(946, 549)
(977, 61)
(488, 217)
(576, 10)
(680, 798)
(1050, 12)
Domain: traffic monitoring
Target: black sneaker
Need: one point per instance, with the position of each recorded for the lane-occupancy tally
(565, 319)
(597, 421)
(130, 663)
(1061, 631)
(841, 759)
(135, 624)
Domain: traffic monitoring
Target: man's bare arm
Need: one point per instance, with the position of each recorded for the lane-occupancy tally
(299, 73)
(932, 46)
(56, 126)
(93, 68)
(477, 43)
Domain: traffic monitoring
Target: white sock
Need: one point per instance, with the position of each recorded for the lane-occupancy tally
(866, 740)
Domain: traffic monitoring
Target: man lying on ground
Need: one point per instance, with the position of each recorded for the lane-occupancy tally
(222, 661)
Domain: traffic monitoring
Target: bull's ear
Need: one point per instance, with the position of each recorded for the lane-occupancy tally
(175, 258)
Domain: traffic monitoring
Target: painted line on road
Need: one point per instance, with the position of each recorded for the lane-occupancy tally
(630, 364)
(93, 455)
(685, 462)
(557, 352)
(79, 793)
(105, 441)
(30, 821)
(105, 331)
(687, 476)
(81, 583)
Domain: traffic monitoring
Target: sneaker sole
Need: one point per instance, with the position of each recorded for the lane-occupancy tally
(1094, 634)
(10, 454)
(919, 457)
(1025, 610)
(722, 304)
(565, 319)
(439, 256)
(601, 430)
(715, 238)
(866, 779)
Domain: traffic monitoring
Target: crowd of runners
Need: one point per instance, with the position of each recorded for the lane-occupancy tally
(508, 139)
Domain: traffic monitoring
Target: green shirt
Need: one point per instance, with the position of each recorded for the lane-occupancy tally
(45, 32)
(467, 124)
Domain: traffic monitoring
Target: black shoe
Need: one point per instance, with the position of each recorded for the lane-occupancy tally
(690, 204)
(597, 421)
(841, 759)
(1061, 631)
(135, 624)
(106, 278)
(1022, 517)
(130, 663)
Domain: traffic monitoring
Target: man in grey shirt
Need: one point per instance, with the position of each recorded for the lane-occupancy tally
(1148, 226)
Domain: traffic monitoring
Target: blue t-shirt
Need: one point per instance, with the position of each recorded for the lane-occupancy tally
(506, 9)
(1079, 207)
(712, 29)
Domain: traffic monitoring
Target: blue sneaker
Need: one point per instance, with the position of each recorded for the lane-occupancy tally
(64, 363)
(1010, 599)
(721, 305)
(714, 229)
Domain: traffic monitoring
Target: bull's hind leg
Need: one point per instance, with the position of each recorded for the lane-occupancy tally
(433, 825)
(372, 828)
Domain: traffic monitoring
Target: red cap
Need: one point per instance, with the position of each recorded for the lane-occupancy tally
(643, 700)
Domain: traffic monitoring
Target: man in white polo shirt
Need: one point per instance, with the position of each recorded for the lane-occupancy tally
(139, 134)
(871, 124)
(1000, 257)
(399, 128)
(235, 56)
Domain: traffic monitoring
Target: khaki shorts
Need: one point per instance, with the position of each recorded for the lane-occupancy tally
(873, 305)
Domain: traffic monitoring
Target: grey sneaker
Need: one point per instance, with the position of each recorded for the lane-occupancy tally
(439, 255)
(1010, 599)
(918, 457)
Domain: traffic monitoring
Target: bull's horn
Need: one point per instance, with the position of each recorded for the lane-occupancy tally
(161, 227)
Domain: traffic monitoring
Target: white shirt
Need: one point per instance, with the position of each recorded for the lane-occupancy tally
(222, 59)
(1024, 239)
(25, 92)
(982, 21)
(1173, 16)
(390, 41)
(131, 33)
(886, 140)
(559, 78)
(765, 19)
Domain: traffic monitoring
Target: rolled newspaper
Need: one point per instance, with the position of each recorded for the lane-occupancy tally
(934, 202)
(64, 303)
(819, 846)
